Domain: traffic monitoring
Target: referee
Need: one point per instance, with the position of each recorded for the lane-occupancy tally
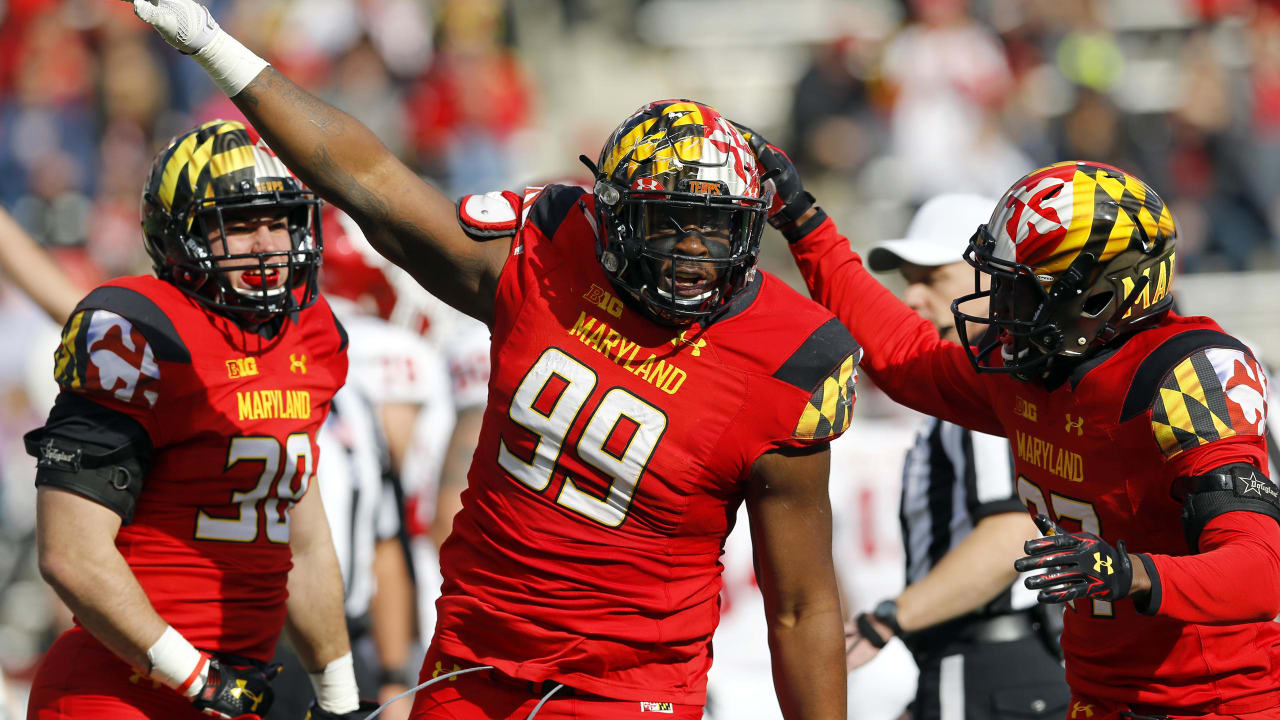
(979, 638)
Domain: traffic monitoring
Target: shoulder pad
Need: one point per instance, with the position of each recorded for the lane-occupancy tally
(1199, 390)
(142, 313)
(551, 206)
(489, 216)
(826, 365)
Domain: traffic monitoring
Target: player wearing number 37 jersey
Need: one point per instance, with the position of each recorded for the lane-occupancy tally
(174, 469)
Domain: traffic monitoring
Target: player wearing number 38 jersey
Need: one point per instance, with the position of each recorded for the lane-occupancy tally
(174, 515)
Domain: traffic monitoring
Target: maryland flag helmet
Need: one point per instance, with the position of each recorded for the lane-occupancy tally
(207, 176)
(675, 170)
(1077, 253)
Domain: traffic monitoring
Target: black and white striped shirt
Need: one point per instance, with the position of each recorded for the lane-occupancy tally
(954, 477)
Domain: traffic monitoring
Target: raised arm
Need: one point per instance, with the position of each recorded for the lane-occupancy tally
(902, 351)
(404, 218)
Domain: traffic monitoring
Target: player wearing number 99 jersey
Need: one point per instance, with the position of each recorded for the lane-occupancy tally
(175, 465)
(646, 379)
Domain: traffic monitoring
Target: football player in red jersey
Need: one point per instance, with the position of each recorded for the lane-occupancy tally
(646, 378)
(1138, 434)
(173, 515)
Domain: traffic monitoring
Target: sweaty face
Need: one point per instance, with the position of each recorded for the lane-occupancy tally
(701, 241)
(245, 231)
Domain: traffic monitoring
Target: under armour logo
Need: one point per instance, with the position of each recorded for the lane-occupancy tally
(297, 363)
(440, 670)
(697, 344)
(241, 689)
(1078, 707)
(1077, 424)
(1098, 563)
(137, 677)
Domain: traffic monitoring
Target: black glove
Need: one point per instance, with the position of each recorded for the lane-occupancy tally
(315, 712)
(790, 200)
(1078, 565)
(233, 691)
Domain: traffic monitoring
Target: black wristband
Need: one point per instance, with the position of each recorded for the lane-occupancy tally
(395, 676)
(868, 631)
(795, 233)
(887, 613)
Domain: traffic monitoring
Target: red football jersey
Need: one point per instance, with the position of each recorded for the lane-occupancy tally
(1099, 453)
(232, 419)
(612, 460)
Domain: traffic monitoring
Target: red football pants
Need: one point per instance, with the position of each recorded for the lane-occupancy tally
(478, 696)
(81, 678)
(1082, 708)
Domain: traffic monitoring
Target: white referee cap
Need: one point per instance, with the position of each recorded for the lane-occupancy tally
(937, 235)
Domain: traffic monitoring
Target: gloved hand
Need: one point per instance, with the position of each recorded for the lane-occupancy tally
(236, 691)
(790, 199)
(315, 712)
(184, 24)
(1078, 565)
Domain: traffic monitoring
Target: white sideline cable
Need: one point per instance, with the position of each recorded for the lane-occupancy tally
(432, 681)
(544, 700)
(455, 673)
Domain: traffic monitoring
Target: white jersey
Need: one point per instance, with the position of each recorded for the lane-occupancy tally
(866, 467)
(356, 486)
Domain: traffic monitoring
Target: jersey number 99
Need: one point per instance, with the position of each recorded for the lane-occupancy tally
(548, 401)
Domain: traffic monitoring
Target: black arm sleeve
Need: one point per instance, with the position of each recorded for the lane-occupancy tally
(93, 451)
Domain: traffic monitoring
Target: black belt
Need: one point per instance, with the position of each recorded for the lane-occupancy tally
(974, 631)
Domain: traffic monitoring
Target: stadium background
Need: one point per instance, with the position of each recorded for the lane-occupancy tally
(881, 102)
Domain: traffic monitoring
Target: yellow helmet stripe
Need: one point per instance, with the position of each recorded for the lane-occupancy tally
(624, 145)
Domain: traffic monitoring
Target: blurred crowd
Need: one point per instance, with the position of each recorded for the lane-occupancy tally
(883, 103)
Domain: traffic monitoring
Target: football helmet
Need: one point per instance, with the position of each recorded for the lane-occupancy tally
(205, 173)
(678, 169)
(1077, 253)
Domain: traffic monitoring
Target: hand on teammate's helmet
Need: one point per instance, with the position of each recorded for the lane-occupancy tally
(790, 199)
(1076, 565)
(315, 712)
(237, 691)
(184, 24)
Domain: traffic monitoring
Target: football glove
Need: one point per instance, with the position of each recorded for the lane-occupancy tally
(184, 24)
(236, 691)
(1076, 564)
(790, 199)
(315, 712)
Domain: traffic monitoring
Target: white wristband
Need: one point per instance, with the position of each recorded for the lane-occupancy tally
(335, 686)
(230, 65)
(176, 663)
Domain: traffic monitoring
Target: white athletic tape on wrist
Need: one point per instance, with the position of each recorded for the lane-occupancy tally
(335, 686)
(176, 663)
(230, 65)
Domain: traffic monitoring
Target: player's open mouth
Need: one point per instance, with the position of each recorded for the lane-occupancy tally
(687, 284)
(259, 280)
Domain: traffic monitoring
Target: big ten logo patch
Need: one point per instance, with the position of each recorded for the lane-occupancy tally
(1024, 409)
(242, 367)
(601, 298)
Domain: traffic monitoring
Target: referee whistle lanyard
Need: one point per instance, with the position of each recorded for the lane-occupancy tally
(455, 673)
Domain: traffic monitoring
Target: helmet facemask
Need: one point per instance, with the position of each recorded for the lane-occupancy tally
(246, 185)
(682, 255)
(681, 211)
